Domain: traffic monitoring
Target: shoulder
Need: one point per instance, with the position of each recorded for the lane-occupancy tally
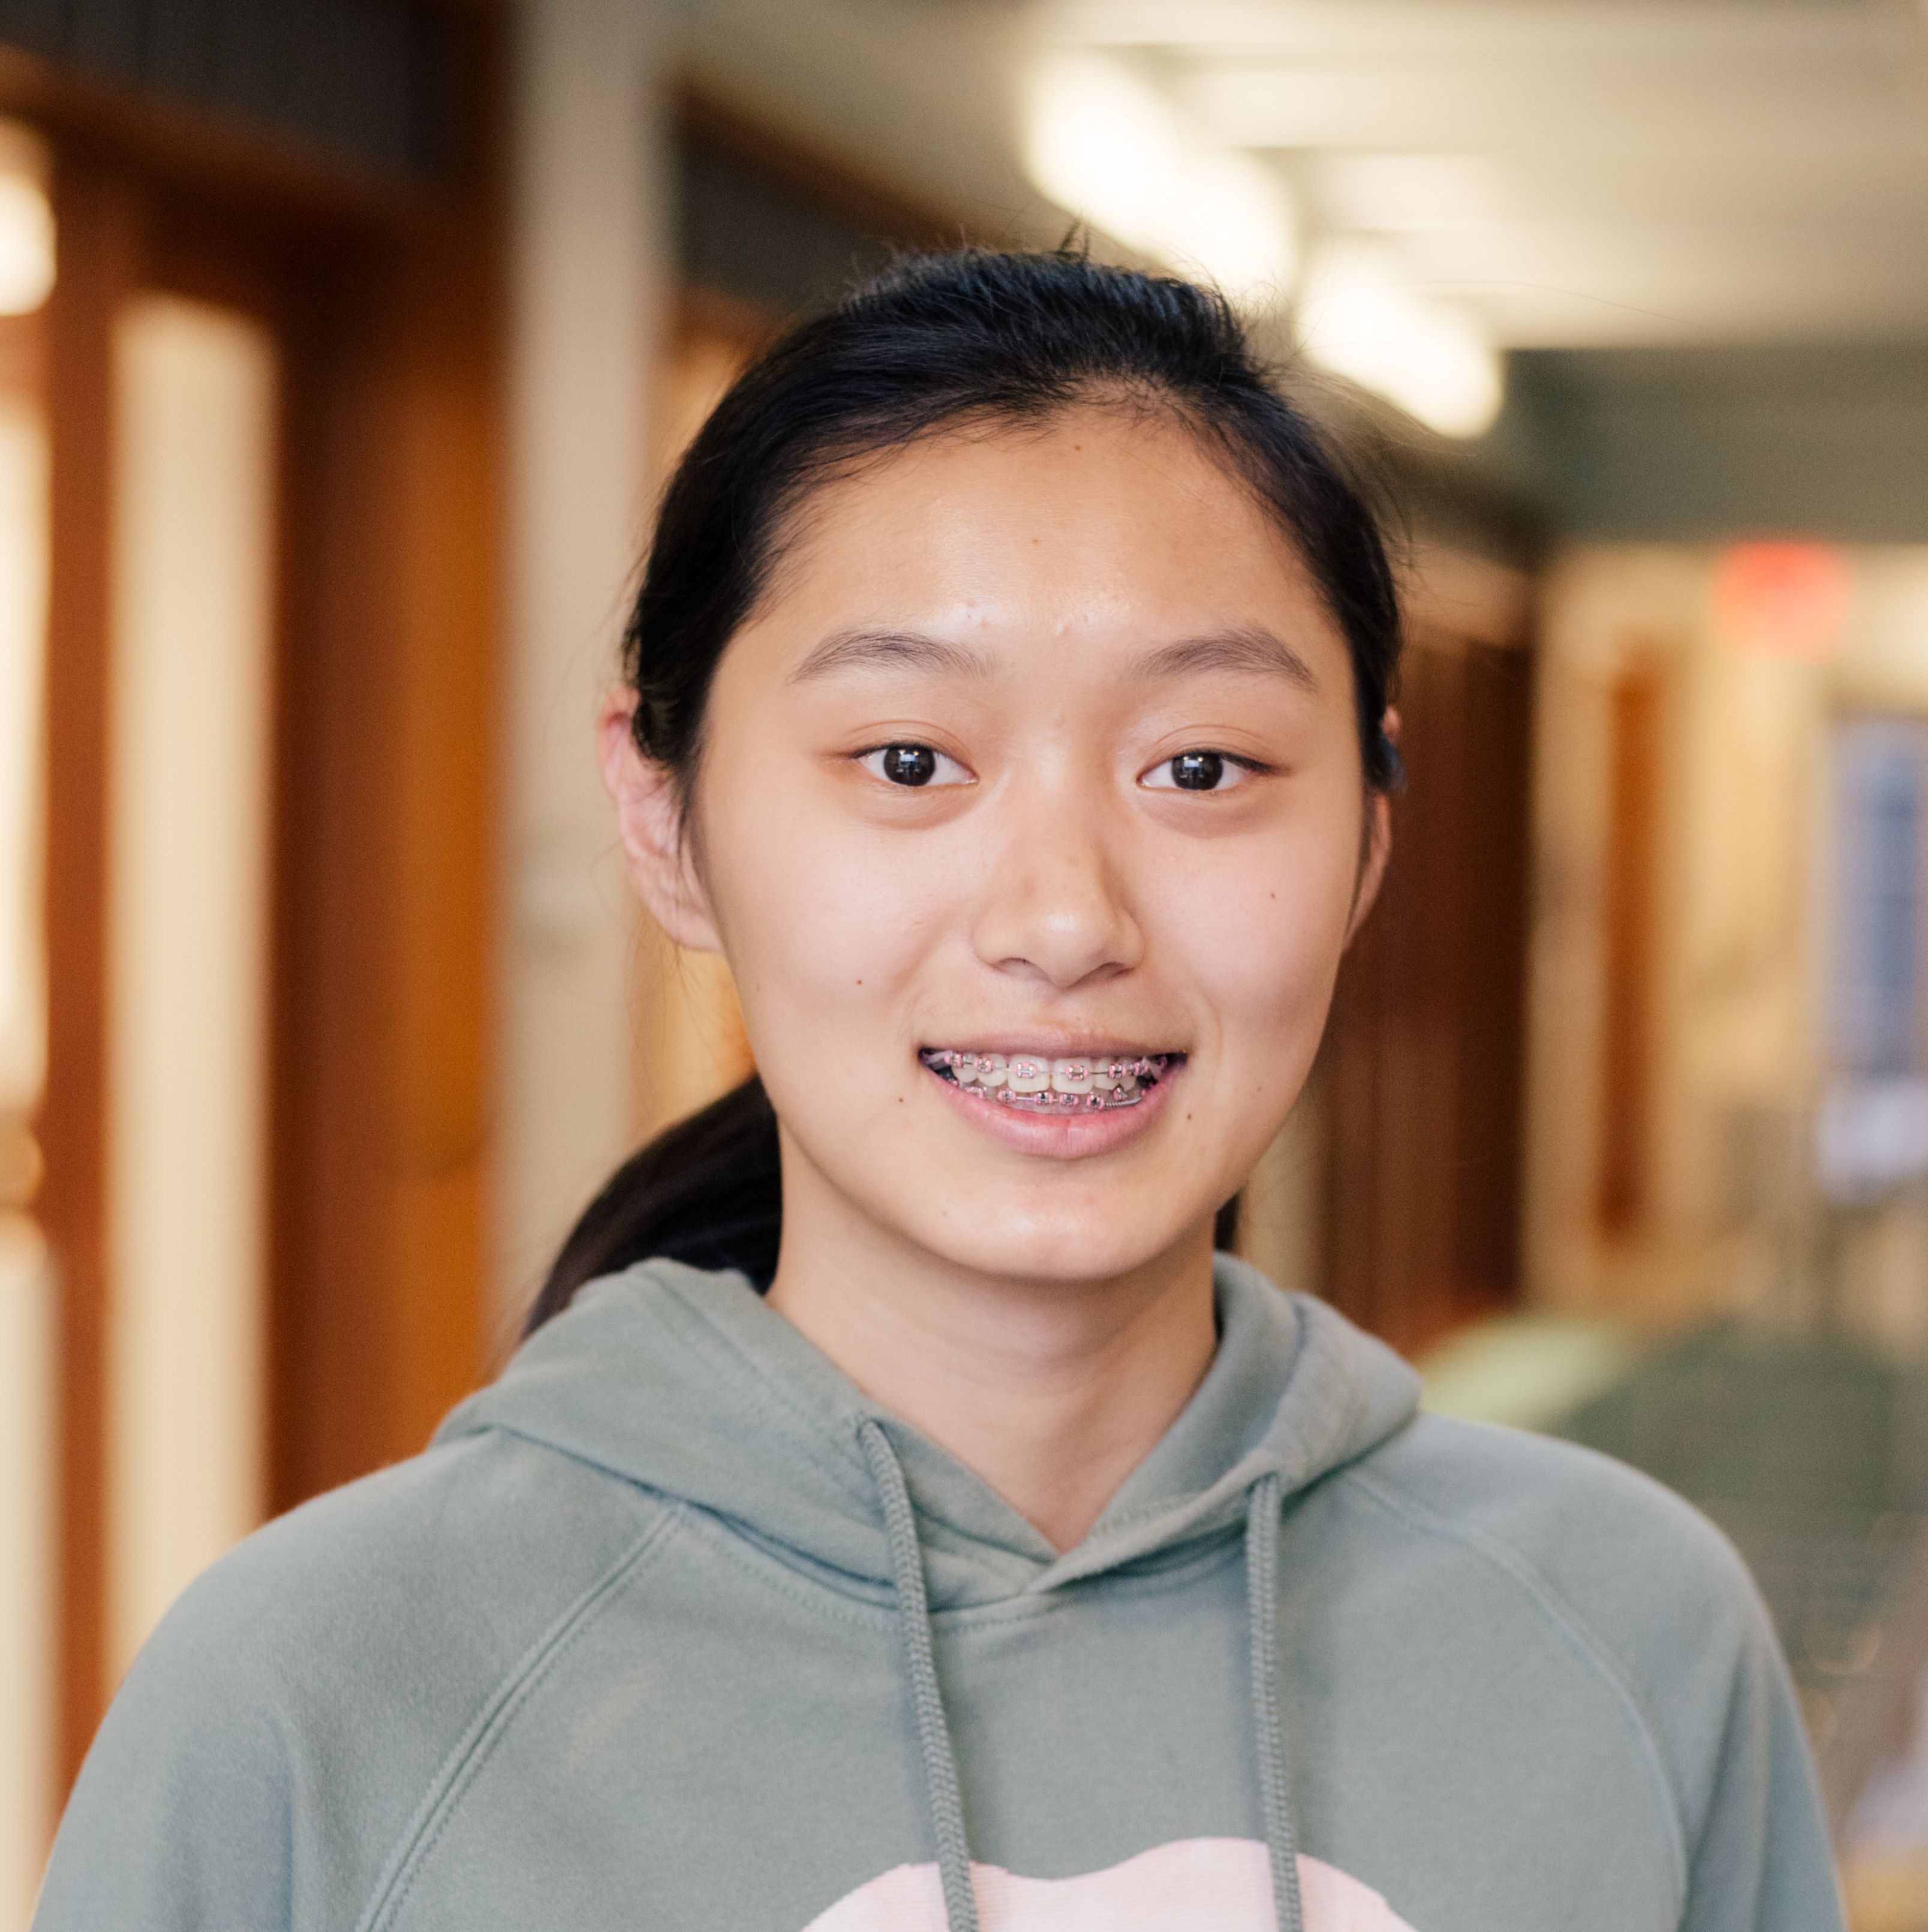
(1601, 1541)
(1587, 1559)
(305, 1694)
(443, 1567)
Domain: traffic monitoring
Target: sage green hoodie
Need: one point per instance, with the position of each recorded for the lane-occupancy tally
(672, 1630)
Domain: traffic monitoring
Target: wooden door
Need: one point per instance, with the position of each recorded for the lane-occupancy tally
(367, 312)
(1421, 1074)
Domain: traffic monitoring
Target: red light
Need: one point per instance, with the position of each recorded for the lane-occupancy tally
(1782, 600)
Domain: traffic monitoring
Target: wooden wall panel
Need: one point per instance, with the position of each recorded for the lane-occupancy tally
(389, 767)
(1631, 887)
(96, 207)
(1421, 1071)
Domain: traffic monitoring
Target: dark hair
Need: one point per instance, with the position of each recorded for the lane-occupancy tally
(937, 343)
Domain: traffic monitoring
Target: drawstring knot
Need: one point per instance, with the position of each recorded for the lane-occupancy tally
(940, 1759)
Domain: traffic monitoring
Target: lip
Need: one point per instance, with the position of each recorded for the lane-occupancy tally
(1068, 1136)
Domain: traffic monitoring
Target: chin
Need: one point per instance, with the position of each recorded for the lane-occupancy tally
(1061, 1246)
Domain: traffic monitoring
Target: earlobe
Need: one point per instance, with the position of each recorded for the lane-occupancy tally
(650, 814)
(1378, 843)
(1372, 868)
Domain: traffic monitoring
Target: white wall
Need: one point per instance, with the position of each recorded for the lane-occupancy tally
(188, 948)
(587, 255)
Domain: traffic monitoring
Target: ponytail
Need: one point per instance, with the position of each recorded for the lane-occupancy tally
(708, 1191)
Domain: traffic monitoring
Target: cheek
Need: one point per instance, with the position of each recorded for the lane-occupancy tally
(1261, 928)
(823, 924)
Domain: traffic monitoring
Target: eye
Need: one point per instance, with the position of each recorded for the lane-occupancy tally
(913, 765)
(1197, 771)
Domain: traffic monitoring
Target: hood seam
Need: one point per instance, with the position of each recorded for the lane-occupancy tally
(774, 1400)
(1233, 1491)
(1294, 1460)
(1302, 1480)
(683, 1385)
(774, 1397)
(718, 1532)
(892, 1423)
(463, 1763)
(715, 1532)
(1226, 1493)
(1015, 1611)
(1569, 1625)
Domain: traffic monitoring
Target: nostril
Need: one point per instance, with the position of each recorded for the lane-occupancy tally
(1055, 914)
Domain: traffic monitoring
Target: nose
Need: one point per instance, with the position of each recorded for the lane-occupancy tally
(1054, 907)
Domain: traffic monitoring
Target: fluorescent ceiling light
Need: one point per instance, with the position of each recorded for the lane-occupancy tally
(1110, 148)
(1360, 318)
(26, 244)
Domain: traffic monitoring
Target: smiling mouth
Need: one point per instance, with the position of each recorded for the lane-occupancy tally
(1031, 1084)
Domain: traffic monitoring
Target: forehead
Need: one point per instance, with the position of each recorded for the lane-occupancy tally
(1099, 521)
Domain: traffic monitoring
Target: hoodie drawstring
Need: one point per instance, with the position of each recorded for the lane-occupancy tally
(940, 1760)
(1262, 1512)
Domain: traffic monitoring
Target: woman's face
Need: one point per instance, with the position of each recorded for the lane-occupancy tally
(1040, 748)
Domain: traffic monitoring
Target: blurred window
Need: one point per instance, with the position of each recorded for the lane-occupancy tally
(1881, 773)
(1872, 1134)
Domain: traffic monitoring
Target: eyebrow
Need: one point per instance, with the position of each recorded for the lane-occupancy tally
(893, 650)
(1247, 648)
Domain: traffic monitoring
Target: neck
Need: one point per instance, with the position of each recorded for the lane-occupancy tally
(1052, 1391)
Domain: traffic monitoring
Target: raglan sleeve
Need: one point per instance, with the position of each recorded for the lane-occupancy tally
(181, 1819)
(1762, 1862)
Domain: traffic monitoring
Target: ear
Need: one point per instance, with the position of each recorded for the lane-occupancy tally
(1378, 843)
(650, 816)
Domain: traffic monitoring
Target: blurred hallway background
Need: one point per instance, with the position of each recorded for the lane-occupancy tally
(343, 344)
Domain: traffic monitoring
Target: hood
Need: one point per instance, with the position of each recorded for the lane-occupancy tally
(687, 1383)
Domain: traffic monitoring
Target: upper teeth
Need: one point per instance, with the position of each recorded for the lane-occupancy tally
(1031, 1073)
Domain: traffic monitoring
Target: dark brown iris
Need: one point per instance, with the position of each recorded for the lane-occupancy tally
(1194, 771)
(909, 764)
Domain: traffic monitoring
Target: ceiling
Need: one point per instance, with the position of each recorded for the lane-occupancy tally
(1575, 172)
(1586, 173)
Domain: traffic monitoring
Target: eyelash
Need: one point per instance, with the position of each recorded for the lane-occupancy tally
(872, 762)
(1230, 761)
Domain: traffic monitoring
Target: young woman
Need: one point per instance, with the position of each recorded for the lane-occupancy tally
(913, 1525)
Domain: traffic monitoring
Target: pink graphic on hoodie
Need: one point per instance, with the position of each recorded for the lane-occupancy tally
(1195, 1884)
